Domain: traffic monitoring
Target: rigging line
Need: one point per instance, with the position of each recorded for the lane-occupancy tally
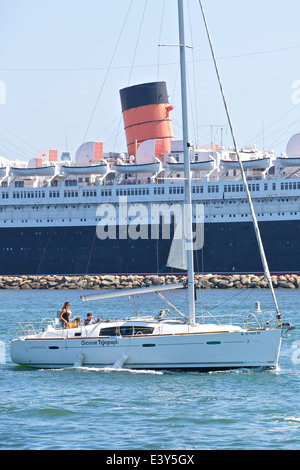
(283, 131)
(5, 149)
(13, 149)
(227, 300)
(108, 70)
(194, 76)
(133, 302)
(157, 259)
(283, 141)
(53, 227)
(45, 249)
(202, 295)
(117, 133)
(271, 125)
(87, 69)
(254, 220)
(109, 126)
(171, 305)
(91, 251)
(20, 138)
(16, 149)
(137, 41)
(285, 128)
(194, 126)
(243, 300)
(159, 39)
(132, 64)
(175, 85)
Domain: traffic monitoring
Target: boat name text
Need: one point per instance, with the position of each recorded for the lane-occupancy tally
(99, 342)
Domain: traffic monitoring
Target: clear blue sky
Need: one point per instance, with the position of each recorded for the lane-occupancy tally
(59, 59)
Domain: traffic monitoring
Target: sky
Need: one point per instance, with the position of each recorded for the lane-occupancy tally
(63, 62)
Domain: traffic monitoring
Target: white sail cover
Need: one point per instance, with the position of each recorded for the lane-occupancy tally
(180, 245)
(178, 254)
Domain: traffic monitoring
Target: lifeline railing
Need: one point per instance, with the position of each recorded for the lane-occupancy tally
(257, 319)
(32, 327)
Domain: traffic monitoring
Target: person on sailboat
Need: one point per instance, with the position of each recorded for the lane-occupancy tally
(89, 319)
(65, 315)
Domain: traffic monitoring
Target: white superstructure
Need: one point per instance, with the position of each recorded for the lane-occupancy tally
(64, 192)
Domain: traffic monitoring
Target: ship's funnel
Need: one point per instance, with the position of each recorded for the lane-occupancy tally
(146, 115)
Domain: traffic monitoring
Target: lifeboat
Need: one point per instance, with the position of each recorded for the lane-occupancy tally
(207, 165)
(2, 171)
(100, 169)
(288, 161)
(260, 163)
(39, 171)
(138, 168)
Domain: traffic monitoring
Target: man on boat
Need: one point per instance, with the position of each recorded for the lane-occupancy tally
(90, 320)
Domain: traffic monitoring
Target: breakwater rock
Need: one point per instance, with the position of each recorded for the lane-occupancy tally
(202, 281)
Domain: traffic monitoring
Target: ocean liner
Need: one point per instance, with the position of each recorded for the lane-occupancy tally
(115, 213)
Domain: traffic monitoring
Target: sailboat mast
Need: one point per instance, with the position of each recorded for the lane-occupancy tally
(254, 219)
(187, 229)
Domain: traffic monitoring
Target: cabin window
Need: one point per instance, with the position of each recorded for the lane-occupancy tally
(126, 331)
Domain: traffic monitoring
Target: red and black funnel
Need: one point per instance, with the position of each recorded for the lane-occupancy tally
(146, 115)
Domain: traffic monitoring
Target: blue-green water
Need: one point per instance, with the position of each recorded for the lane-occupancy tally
(123, 410)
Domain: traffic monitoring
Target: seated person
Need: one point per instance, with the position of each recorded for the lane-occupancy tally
(89, 319)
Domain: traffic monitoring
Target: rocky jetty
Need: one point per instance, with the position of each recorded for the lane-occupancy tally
(202, 281)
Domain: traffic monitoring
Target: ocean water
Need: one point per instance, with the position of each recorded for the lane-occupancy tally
(89, 408)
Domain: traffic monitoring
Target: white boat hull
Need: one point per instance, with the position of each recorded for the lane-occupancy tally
(198, 351)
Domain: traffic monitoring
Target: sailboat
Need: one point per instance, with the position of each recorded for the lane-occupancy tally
(160, 342)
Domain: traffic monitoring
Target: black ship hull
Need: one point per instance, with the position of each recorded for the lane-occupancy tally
(228, 248)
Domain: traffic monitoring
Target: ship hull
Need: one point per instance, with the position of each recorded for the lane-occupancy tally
(202, 352)
(228, 247)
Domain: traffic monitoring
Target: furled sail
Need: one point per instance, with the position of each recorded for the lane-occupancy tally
(181, 244)
(178, 253)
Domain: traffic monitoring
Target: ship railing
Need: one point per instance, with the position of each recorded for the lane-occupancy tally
(32, 328)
